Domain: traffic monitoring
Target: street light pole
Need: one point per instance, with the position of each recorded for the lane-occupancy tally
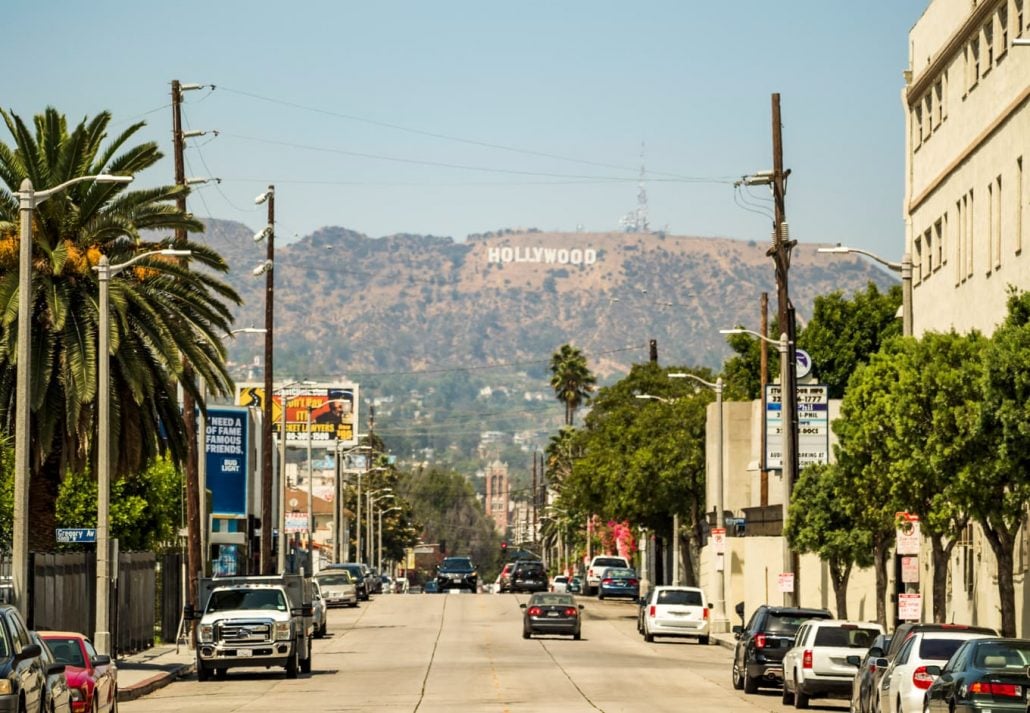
(904, 268)
(28, 199)
(311, 515)
(266, 423)
(719, 623)
(379, 568)
(105, 270)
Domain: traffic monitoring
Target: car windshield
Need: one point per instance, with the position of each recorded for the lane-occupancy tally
(530, 568)
(938, 649)
(67, 651)
(851, 637)
(686, 597)
(609, 562)
(335, 579)
(230, 599)
(1010, 655)
(354, 572)
(457, 564)
(562, 600)
(620, 572)
(786, 624)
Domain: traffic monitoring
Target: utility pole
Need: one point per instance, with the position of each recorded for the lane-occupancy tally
(267, 565)
(193, 554)
(763, 380)
(780, 253)
(533, 499)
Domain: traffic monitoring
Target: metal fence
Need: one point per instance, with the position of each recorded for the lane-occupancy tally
(146, 596)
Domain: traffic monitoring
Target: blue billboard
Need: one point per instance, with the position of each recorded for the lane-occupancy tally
(226, 447)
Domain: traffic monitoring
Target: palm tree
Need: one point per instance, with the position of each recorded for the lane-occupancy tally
(571, 379)
(161, 312)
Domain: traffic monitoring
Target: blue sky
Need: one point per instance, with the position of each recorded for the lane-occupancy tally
(389, 117)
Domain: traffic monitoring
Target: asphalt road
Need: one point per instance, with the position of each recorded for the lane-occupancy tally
(436, 653)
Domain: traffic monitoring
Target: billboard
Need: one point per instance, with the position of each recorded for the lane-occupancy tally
(225, 455)
(813, 426)
(334, 412)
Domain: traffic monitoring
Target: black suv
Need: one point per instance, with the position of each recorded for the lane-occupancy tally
(457, 573)
(528, 576)
(758, 655)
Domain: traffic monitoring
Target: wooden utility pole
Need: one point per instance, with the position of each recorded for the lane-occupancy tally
(188, 380)
(533, 497)
(763, 380)
(267, 563)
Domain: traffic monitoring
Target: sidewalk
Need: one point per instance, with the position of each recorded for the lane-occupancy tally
(147, 671)
(727, 641)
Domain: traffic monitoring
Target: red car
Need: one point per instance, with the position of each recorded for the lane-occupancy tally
(92, 677)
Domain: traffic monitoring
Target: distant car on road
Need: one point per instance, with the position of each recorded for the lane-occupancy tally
(431, 587)
(529, 576)
(863, 686)
(817, 666)
(338, 588)
(675, 611)
(318, 611)
(94, 675)
(457, 573)
(575, 585)
(619, 582)
(504, 578)
(597, 566)
(560, 584)
(548, 613)
(357, 573)
(758, 654)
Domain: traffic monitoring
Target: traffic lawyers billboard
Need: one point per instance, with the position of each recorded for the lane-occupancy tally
(333, 409)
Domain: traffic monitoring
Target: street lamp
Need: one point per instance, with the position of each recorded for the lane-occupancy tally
(788, 416)
(904, 267)
(719, 621)
(28, 199)
(373, 496)
(105, 270)
(379, 568)
(283, 403)
(652, 397)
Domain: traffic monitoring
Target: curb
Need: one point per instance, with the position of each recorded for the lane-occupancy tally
(726, 644)
(153, 683)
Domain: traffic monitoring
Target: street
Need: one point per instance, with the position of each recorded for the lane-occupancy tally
(450, 652)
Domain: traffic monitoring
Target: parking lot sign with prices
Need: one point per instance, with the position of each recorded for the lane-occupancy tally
(813, 426)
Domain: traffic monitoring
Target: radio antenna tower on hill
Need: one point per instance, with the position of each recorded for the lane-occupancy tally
(636, 220)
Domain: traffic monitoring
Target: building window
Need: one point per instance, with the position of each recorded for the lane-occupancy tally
(988, 35)
(917, 126)
(968, 209)
(959, 240)
(938, 241)
(1018, 24)
(967, 559)
(973, 63)
(996, 219)
(1019, 205)
(927, 115)
(1003, 26)
(917, 263)
(990, 227)
(928, 249)
(938, 98)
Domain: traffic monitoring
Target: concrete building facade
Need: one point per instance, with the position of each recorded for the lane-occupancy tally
(497, 495)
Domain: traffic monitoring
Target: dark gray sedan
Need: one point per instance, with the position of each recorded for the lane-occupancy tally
(547, 613)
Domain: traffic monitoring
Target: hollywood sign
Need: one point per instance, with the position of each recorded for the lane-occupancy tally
(549, 256)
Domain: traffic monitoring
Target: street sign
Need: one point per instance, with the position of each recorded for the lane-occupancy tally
(813, 426)
(803, 362)
(910, 570)
(910, 607)
(67, 535)
(786, 582)
(908, 538)
(718, 540)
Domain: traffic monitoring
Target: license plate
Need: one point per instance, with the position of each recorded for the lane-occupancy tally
(244, 653)
(552, 613)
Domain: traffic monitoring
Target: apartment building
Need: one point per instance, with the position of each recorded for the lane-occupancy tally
(967, 139)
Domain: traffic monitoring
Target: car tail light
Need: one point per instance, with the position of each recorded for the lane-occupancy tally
(651, 611)
(1003, 690)
(759, 641)
(806, 659)
(535, 611)
(704, 613)
(571, 611)
(590, 572)
(634, 582)
(606, 580)
(921, 679)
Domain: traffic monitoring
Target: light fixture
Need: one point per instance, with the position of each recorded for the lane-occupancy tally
(264, 197)
(262, 268)
(264, 233)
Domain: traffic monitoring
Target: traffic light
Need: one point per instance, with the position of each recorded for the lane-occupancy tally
(504, 549)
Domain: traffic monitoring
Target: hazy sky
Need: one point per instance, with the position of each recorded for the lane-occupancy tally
(450, 118)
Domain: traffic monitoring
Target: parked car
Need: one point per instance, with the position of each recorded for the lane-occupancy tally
(457, 573)
(547, 613)
(357, 573)
(675, 611)
(431, 587)
(597, 566)
(619, 582)
(338, 588)
(906, 680)
(560, 584)
(386, 584)
(372, 581)
(58, 694)
(983, 675)
(529, 576)
(94, 675)
(863, 686)
(21, 668)
(504, 578)
(871, 672)
(758, 654)
(575, 585)
(318, 611)
(817, 665)
(642, 604)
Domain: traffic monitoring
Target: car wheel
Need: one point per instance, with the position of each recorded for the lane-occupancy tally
(751, 684)
(703, 640)
(800, 697)
(577, 636)
(305, 664)
(648, 636)
(788, 696)
(600, 596)
(291, 666)
(325, 628)
(203, 672)
(525, 633)
(738, 680)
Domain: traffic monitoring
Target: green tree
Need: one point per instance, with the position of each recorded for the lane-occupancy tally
(161, 312)
(934, 442)
(843, 332)
(999, 485)
(6, 494)
(817, 522)
(572, 381)
(864, 458)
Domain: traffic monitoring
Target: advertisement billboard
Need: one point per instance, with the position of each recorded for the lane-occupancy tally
(334, 412)
(226, 441)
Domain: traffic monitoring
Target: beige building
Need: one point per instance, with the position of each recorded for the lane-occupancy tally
(967, 140)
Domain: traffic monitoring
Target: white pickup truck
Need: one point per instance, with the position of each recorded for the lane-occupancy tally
(817, 665)
(254, 621)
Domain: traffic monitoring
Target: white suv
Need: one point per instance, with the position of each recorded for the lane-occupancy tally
(817, 666)
(597, 567)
